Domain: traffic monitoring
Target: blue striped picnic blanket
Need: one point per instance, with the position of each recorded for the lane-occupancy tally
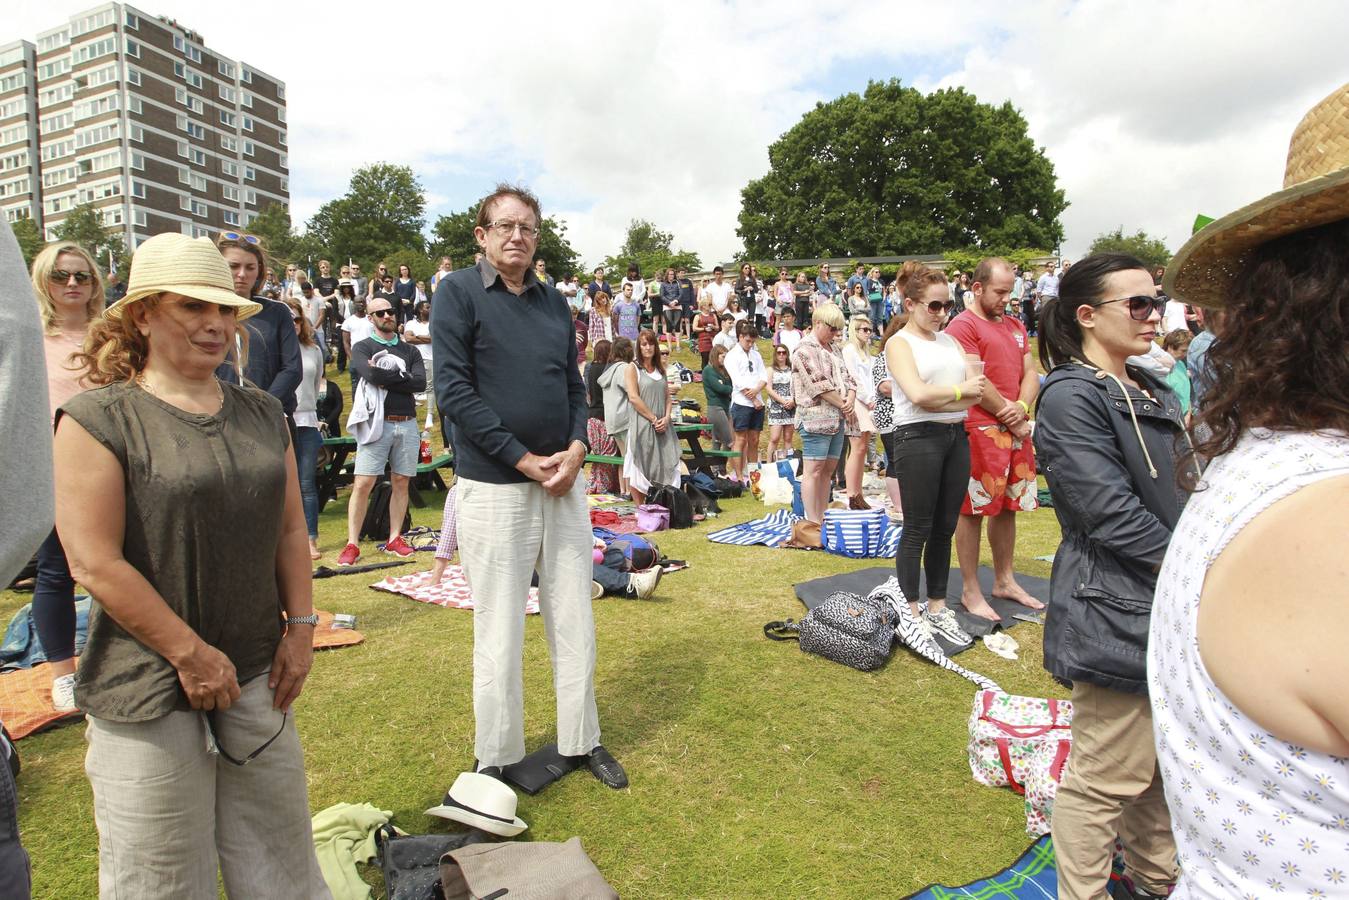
(775, 529)
(772, 531)
(1032, 877)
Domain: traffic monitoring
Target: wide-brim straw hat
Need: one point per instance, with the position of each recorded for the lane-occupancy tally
(1315, 192)
(178, 264)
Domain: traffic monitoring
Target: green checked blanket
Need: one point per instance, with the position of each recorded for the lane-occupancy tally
(1031, 877)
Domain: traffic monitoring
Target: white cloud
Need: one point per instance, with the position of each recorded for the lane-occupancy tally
(1151, 111)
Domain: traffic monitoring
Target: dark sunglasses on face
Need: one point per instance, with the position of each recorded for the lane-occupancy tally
(61, 276)
(296, 320)
(938, 307)
(1141, 306)
(382, 313)
(237, 236)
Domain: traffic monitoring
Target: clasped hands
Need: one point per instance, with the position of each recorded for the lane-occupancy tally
(1014, 419)
(556, 472)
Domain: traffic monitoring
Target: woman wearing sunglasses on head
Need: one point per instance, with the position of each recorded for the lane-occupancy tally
(931, 389)
(273, 359)
(1109, 435)
(70, 298)
(179, 503)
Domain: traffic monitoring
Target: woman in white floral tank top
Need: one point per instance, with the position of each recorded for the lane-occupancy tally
(1247, 665)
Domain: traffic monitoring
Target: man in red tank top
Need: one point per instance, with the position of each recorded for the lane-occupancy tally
(1002, 460)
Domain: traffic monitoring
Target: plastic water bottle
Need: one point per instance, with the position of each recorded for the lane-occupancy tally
(426, 447)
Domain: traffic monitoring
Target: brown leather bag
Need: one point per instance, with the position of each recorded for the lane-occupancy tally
(805, 535)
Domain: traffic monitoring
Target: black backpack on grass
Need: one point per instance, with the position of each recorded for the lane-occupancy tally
(375, 526)
(676, 501)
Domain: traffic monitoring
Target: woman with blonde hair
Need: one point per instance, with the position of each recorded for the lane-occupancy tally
(825, 400)
(857, 360)
(601, 324)
(308, 437)
(179, 504)
(69, 291)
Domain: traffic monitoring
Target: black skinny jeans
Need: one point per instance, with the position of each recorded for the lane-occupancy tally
(934, 473)
(54, 601)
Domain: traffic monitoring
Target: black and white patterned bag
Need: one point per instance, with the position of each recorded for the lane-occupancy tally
(856, 631)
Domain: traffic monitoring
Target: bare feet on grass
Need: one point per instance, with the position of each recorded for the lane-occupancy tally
(976, 605)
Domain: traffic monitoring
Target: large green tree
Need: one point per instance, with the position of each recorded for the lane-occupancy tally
(896, 171)
(452, 236)
(382, 213)
(30, 239)
(1140, 244)
(273, 225)
(84, 226)
(652, 250)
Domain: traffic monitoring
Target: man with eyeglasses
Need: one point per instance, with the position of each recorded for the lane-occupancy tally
(1002, 459)
(508, 381)
(387, 434)
(359, 281)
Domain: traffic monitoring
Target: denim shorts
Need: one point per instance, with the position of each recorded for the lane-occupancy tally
(398, 446)
(746, 418)
(821, 446)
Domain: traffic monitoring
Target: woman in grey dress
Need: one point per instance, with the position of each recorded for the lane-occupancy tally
(653, 446)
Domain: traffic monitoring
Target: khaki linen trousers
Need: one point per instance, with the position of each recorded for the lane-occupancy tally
(1111, 786)
(506, 533)
(168, 811)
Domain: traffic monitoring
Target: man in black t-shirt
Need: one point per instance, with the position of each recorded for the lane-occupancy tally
(325, 288)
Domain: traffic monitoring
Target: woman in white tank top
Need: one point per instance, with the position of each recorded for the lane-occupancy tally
(1247, 666)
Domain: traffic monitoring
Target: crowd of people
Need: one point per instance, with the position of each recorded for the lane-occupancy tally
(1198, 481)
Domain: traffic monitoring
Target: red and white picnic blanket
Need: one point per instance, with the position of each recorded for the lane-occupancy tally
(453, 592)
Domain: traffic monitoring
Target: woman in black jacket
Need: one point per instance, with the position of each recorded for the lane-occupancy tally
(1108, 437)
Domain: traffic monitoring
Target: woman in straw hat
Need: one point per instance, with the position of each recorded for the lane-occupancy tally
(1246, 663)
(70, 297)
(179, 505)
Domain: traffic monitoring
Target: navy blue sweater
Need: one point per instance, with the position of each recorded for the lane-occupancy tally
(505, 372)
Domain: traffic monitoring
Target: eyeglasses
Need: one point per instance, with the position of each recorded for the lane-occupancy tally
(938, 307)
(61, 276)
(506, 228)
(1141, 306)
(213, 743)
(236, 236)
(381, 313)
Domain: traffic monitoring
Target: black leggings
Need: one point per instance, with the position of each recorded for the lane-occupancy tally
(934, 472)
(705, 354)
(54, 601)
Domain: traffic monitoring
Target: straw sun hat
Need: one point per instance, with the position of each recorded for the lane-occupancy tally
(178, 264)
(1315, 192)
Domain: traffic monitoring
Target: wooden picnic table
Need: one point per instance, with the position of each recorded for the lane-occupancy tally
(697, 457)
(334, 474)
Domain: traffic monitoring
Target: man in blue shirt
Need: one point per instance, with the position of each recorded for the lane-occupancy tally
(507, 379)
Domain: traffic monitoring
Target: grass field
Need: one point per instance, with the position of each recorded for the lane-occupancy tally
(756, 771)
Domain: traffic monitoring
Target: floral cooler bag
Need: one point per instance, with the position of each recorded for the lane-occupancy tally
(1021, 743)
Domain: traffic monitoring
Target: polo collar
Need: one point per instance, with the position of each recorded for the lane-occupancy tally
(489, 275)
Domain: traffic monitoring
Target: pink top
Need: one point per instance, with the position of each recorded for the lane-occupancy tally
(63, 382)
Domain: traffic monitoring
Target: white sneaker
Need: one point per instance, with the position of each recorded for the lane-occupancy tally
(643, 584)
(596, 590)
(947, 625)
(63, 693)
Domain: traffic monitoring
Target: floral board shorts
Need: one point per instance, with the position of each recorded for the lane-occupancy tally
(1002, 472)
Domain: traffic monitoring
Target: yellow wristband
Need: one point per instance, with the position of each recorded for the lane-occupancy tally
(957, 388)
(1024, 408)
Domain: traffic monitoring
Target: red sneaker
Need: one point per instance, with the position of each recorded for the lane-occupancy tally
(399, 547)
(350, 553)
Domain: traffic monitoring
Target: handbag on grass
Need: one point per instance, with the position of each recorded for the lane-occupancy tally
(652, 517)
(845, 628)
(855, 533)
(1011, 735)
(411, 862)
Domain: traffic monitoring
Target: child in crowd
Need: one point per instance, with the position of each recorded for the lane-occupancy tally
(781, 406)
(787, 335)
(705, 325)
(726, 338)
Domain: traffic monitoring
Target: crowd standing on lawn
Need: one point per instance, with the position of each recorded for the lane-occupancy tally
(1192, 481)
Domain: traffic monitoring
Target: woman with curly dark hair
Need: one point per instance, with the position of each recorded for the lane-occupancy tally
(1246, 664)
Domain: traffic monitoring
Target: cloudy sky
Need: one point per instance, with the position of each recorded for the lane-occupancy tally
(1150, 110)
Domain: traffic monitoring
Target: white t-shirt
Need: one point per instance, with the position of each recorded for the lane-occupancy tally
(1173, 317)
(721, 295)
(359, 328)
(724, 339)
(419, 329)
(941, 361)
(790, 339)
(313, 309)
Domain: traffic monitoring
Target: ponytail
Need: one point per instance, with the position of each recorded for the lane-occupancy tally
(1084, 283)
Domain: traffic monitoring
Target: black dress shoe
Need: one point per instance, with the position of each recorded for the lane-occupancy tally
(604, 767)
(489, 771)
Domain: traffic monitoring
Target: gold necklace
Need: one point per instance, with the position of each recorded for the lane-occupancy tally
(149, 389)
